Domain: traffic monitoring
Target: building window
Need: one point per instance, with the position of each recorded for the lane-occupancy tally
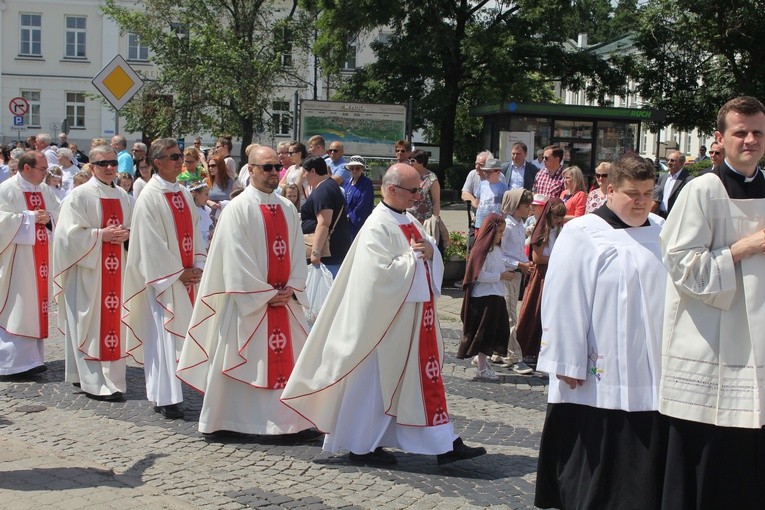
(75, 37)
(644, 143)
(136, 50)
(31, 35)
(350, 62)
(286, 48)
(688, 143)
(32, 118)
(75, 109)
(281, 118)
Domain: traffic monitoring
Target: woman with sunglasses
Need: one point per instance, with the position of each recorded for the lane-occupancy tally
(141, 175)
(219, 183)
(597, 197)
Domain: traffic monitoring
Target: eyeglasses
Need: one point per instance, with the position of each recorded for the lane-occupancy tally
(269, 167)
(106, 162)
(671, 160)
(600, 176)
(413, 191)
(715, 153)
(545, 158)
(211, 165)
(173, 157)
(333, 150)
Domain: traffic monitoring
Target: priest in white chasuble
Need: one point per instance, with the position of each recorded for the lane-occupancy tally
(604, 442)
(28, 213)
(370, 373)
(165, 261)
(248, 326)
(89, 260)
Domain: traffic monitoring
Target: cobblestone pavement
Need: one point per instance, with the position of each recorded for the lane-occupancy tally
(59, 449)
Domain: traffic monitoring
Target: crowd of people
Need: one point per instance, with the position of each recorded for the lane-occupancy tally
(645, 322)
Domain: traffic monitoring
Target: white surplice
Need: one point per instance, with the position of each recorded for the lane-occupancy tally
(77, 266)
(226, 350)
(713, 355)
(358, 377)
(602, 312)
(157, 307)
(20, 345)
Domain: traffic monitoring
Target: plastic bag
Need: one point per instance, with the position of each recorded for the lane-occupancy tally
(317, 286)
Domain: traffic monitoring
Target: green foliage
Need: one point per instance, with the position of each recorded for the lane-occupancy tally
(455, 176)
(452, 55)
(219, 62)
(457, 247)
(697, 168)
(695, 55)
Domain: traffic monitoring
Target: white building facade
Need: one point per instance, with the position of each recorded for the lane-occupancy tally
(50, 51)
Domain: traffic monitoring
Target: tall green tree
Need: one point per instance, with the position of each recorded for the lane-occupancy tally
(219, 63)
(447, 53)
(694, 55)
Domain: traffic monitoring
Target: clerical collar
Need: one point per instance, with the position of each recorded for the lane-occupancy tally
(393, 208)
(612, 219)
(740, 176)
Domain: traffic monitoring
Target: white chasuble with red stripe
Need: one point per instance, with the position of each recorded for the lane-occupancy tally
(280, 359)
(433, 393)
(111, 284)
(184, 232)
(40, 252)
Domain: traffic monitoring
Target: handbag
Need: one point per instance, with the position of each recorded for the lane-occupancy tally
(309, 238)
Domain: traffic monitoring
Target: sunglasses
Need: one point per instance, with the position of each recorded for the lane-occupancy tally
(715, 153)
(413, 191)
(173, 157)
(106, 162)
(601, 176)
(268, 167)
(333, 150)
(545, 158)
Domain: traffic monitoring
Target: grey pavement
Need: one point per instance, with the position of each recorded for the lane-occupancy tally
(62, 450)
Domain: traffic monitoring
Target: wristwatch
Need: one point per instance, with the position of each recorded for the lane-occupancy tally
(315, 253)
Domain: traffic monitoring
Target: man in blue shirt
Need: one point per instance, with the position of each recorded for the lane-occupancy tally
(336, 163)
(125, 160)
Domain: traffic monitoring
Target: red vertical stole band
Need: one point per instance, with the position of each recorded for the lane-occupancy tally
(433, 394)
(111, 284)
(280, 359)
(35, 201)
(184, 232)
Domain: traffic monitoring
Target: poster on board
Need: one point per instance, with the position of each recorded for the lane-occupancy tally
(371, 130)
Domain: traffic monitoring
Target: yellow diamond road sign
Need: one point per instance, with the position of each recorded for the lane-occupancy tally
(118, 82)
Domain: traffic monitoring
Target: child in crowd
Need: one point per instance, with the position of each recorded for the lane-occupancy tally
(81, 177)
(292, 193)
(54, 179)
(126, 182)
(485, 326)
(200, 192)
(529, 330)
(516, 206)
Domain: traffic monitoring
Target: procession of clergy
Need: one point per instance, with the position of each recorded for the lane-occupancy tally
(643, 412)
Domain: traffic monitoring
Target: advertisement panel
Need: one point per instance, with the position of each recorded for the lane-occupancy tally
(364, 128)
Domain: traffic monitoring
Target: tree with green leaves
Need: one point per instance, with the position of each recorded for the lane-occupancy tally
(219, 63)
(449, 55)
(695, 55)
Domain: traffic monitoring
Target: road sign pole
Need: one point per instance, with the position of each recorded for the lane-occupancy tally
(116, 122)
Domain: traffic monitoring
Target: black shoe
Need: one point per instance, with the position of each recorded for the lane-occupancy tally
(114, 397)
(379, 457)
(460, 451)
(171, 412)
(307, 435)
(76, 384)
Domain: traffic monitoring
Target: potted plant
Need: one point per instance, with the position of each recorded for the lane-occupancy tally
(455, 256)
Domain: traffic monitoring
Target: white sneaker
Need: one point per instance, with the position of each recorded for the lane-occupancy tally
(474, 361)
(496, 358)
(521, 368)
(487, 374)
